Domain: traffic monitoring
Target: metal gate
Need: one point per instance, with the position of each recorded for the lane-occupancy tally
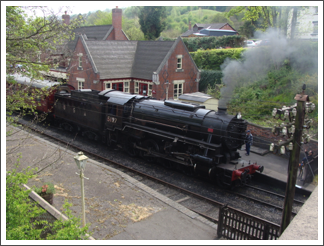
(235, 225)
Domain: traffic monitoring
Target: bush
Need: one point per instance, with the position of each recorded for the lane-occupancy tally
(209, 78)
(194, 44)
(21, 214)
(213, 59)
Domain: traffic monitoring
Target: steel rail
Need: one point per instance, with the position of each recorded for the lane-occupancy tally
(272, 193)
(219, 204)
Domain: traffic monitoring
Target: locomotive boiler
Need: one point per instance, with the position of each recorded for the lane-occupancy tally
(176, 135)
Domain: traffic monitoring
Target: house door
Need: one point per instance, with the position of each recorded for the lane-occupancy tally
(143, 89)
(117, 86)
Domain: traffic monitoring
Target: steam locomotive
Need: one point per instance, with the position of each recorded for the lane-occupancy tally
(174, 134)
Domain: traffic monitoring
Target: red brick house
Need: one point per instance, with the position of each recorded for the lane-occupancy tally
(161, 69)
(63, 53)
(216, 27)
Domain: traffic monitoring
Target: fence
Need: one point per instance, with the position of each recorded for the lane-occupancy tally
(235, 225)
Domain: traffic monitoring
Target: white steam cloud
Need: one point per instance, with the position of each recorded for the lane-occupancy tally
(258, 61)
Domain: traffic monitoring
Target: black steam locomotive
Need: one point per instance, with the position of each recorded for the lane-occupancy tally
(171, 133)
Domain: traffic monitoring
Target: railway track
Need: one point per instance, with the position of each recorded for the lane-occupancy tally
(195, 194)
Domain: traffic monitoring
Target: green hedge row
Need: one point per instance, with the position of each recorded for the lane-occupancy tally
(213, 59)
(209, 77)
(194, 44)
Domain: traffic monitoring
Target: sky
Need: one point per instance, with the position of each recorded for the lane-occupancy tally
(83, 7)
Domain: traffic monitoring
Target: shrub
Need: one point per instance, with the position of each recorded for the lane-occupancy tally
(21, 214)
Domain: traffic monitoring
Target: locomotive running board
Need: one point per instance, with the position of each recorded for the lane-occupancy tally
(160, 133)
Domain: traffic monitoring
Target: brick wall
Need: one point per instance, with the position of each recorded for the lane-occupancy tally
(86, 72)
(227, 27)
(188, 73)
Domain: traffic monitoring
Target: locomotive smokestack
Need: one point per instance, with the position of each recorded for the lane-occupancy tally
(222, 110)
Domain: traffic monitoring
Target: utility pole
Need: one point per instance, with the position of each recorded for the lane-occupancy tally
(293, 162)
(294, 131)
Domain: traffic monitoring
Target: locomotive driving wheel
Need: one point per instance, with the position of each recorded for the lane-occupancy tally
(111, 139)
(129, 146)
(67, 127)
(151, 145)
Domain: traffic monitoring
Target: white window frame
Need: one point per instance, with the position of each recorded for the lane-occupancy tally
(176, 84)
(80, 59)
(136, 87)
(107, 85)
(179, 61)
(149, 86)
(126, 84)
(80, 83)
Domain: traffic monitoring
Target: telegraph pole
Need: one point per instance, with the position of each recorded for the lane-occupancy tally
(294, 131)
(293, 162)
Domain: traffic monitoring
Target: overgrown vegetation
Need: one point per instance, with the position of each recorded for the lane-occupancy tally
(256, 99)
(22, 213)
(210, 61)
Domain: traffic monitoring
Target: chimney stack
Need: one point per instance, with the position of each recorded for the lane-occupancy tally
(66, 18)
(117, 23)
(222, 110)
(189, 25)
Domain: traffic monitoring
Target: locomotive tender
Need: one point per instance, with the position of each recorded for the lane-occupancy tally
(171, 133)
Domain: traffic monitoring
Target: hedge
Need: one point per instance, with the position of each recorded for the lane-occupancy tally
(209, 77)
(194, 44)
(213, 59)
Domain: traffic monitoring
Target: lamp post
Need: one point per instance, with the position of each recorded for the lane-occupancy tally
(167, 89)
(81, 161)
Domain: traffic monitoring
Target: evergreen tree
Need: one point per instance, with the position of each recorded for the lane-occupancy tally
(152, 21)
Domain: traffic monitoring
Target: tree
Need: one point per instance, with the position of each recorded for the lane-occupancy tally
(247, 29)
(103, 18)
(98, 18)
(263, 17)
(152, 21)
(27, 37)
(220, 18)
(293, 22)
